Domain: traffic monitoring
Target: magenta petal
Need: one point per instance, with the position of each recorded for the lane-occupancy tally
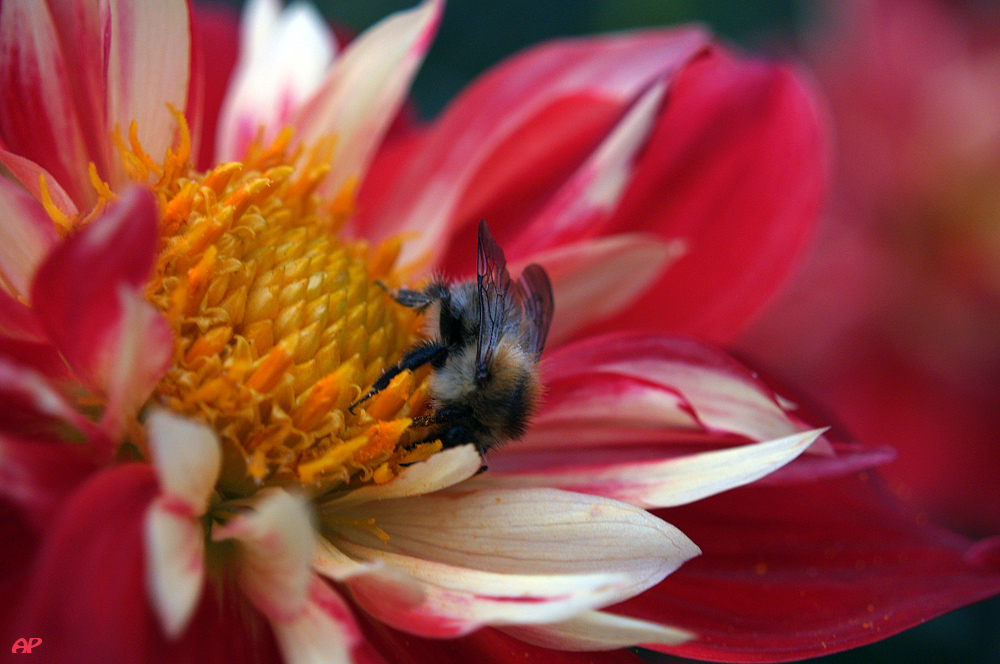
(87, 595)
(76, 293)
(789, 573)
(736, 168)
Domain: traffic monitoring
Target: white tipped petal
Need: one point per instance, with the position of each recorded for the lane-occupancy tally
(598, 630)
(324, 632)
(663, 483)
(593, 279)
(506, 557)
(276, 544)
(284, 59)
(175, 563)
(186, 455)
(442, 470)
(365, 89)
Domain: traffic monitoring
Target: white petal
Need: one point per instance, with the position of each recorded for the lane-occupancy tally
(366, 87)
(442, 470)
(186, 455)
(593, 279)
(324, 632)
(661, 483)
(276, 543)
(506, 557)
(598, 630)
(175, 562)
(284, 60)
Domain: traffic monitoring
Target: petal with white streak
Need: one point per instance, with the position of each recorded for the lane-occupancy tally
(653, 483)
(148, 67)
(592, 193)
(365, 89)
(276, 543)
(506, 557)
(186, 455)
(593, 279)
(175, 562)
(598, 630)
(26, 236)
(284, 56)
(324, 632)
(442, 470)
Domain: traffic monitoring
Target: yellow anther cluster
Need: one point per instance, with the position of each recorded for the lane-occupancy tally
(279, 325)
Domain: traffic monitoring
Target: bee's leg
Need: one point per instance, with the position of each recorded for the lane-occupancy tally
(440, 416)
(421, 299)
(434, 353)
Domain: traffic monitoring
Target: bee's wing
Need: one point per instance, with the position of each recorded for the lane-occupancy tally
(494, 286)
(534, 290)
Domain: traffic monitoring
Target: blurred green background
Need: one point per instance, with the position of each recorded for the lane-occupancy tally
(475, 35)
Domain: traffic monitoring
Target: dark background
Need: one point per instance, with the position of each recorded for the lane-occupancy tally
(476, 34)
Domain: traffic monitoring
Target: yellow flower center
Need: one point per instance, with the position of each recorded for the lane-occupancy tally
(279, 325)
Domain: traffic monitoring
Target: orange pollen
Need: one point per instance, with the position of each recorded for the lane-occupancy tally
(279, 324)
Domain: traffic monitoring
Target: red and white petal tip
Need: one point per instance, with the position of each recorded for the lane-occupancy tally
(27, 234)
(655, 482)
(284, 56)
(365, 89)
(175, 562)
(275, 546)
(506, 557)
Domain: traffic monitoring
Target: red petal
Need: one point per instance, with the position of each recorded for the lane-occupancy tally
(215, 40)
(75, 293)
(794, 573)
(87, 598)
(505, 145)
(735, 167)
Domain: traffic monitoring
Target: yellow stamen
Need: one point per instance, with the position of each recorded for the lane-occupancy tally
(58, 216)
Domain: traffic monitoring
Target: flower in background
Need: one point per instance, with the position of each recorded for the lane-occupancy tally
(902, 294)
(181, 345)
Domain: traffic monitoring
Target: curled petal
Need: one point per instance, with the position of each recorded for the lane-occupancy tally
(520, 130)
(366, 88)
(594, 279)
(597, 630)
(505, 557)
(276, 544)
(442, 470)
(657, 483)
(648, 385)
(284, 55)
(88, 296)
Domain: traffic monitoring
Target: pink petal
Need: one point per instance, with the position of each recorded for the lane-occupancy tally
(825, 566)
(510, 141)
(88, 296)
(647, 386)
(175, 562)
(735, 167)
(38, 114)
(29, 174)
(26, 236)
(148, 68)
(366, 88)
(598, 630)
(87, 591)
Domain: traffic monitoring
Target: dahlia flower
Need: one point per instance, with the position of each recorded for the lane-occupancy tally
(184, 332)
